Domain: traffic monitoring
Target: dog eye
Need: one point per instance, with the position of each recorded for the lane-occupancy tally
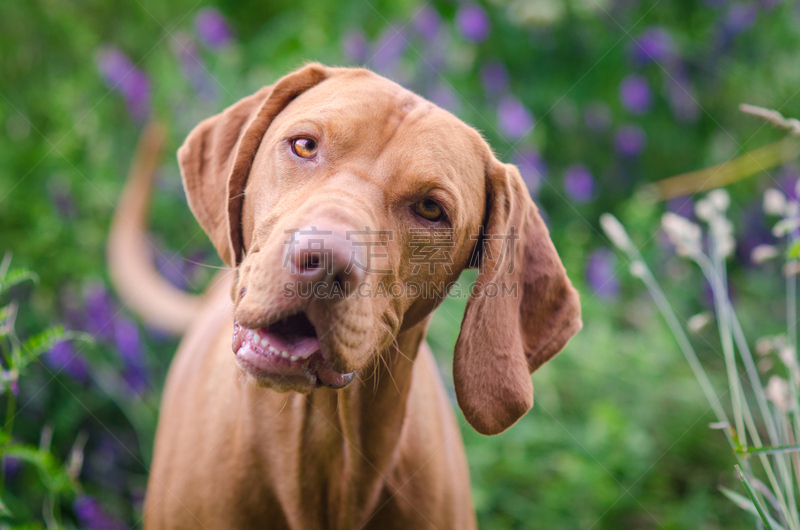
(429, 209)
(304, 147)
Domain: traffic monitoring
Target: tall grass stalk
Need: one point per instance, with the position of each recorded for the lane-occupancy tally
(773, 407)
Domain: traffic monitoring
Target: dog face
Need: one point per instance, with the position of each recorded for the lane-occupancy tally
(349, 205)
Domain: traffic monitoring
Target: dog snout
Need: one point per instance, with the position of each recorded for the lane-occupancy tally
(318, 255)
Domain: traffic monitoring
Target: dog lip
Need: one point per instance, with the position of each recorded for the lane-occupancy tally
(268, 356)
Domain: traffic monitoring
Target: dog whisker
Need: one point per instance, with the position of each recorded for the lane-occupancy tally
(206, 265)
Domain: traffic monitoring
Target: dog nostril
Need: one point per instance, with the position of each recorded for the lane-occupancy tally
(311, 261)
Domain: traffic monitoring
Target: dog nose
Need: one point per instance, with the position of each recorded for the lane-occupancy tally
(319, 255)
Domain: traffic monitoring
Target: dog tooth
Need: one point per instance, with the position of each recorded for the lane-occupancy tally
(294, 357)
(285, 354)
(264, 342)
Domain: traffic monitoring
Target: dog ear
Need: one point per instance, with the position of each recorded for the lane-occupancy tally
(216, 157)
(522, 311)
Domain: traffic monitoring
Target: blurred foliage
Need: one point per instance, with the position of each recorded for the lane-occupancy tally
(592, 99)
(54, 479)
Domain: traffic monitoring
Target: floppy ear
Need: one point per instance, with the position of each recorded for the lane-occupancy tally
(523, 309)
(216, 157)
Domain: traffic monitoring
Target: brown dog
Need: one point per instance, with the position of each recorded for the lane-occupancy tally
(330, 412)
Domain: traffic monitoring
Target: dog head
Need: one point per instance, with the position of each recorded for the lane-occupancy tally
(348, 206)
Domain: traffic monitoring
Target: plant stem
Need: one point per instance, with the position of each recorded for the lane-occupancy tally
(686, 347)
(727, 320)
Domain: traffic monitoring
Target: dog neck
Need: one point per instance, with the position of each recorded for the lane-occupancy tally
(371, 414)
(348, 439)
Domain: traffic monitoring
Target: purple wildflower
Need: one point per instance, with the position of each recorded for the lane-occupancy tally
(495, 78)
(212, 28)
(444, 96)
(192, 67)
(427, 22)
(388, 50)
(126, 338)
(532, 168)
(193, 269)
(630, 140)
(654, 44)
(106, 455)
(136, 378)
(683, 206)
(514, 120)
(597, 116)
(13, 466)
(787, 181)
(8, 379)
(473, 23)
(114, 66)
(601, 275)
(740, 18)
(61, 198)
(63, 357)
(682, 99)
(137, 498)
(354, 47)
(100, 312)
(171, 267)
(122, 75)
(754, 231)
(634, 94)
(92, 516)
(579, 183)
(129, 347)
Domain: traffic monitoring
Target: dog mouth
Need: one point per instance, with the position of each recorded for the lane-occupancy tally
(286, 354)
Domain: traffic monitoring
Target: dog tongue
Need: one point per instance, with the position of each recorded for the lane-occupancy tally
(303, 347)
(300, 346)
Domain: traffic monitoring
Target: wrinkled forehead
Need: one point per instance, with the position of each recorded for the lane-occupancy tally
(375, 120)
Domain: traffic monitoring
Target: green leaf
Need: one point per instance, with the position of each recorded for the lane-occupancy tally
(752, 495)
(793, 251)
(4, 511)
(8, 315)
(54, 478)
(43, 342)
(16, 277)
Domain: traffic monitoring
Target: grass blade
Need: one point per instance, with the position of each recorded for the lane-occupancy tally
(744, 503)
(767, 450)
(752, 495)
